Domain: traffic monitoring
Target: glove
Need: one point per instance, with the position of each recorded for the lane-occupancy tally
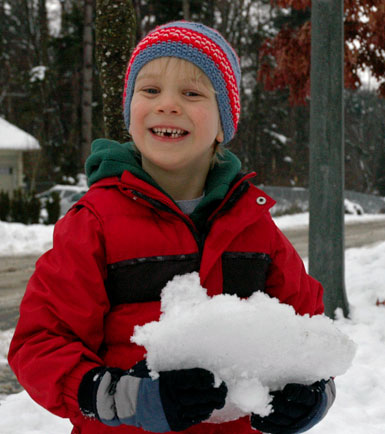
(296, 409)
(174, 402)
(188, 396)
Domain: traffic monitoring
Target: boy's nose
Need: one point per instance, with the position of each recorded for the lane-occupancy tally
(168, 104)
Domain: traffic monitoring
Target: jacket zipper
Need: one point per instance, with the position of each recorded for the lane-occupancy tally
(163, 207)
(199, 238)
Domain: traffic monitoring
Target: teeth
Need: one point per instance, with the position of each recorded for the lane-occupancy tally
(170, 132)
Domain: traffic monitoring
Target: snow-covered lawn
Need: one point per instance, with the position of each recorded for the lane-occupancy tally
(360, 403)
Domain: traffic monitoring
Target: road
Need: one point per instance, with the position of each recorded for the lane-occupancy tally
(15, 272)
(14, 275)
(357, 234)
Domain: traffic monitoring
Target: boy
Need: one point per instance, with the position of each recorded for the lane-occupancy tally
(173, 204)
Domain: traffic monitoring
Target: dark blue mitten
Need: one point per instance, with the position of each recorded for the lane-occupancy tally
(189, 396)
(296, 408)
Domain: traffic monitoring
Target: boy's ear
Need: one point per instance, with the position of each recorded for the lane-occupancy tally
(220, 137)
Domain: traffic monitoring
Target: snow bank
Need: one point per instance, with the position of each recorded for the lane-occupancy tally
(253, 345)
(5, 340)
(20, 239)
(21, 415)
(360, 403)
(292, 221)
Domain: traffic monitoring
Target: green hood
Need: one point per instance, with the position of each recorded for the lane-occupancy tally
(110, 158)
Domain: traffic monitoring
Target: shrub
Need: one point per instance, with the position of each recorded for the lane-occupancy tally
(4, 205)
(53, 208)
(34, 207)
(22, 207)
(18, 208)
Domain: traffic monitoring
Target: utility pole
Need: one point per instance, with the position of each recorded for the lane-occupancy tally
(326, 178)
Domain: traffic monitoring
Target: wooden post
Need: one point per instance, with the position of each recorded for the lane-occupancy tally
(326, 178)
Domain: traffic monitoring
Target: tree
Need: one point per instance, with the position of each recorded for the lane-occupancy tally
(186, 9)
(42, 86)
(380, 174)
(364, 140)
(87, 80)
(285, 58)
(115, 39)
(33, 68)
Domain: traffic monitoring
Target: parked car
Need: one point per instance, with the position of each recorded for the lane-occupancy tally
(353, 208)
(68, 194)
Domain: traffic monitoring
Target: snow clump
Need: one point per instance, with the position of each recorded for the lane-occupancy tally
(254, 345)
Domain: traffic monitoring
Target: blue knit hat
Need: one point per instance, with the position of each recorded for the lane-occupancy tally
(205, 48)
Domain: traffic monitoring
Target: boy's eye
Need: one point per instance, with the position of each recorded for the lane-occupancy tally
(151, 90)
(192, 93)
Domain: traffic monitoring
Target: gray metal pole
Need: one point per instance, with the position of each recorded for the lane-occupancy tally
(326, 178)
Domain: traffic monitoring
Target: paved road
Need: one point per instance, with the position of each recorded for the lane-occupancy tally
(14, 275)
(357, 234)
(15, 272)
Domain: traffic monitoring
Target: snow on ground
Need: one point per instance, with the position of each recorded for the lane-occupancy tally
(5, 340)
(360, 403)
(19, 239)
(21, 415)
(299, 220)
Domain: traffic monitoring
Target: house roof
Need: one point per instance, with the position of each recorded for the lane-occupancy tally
(13, 138)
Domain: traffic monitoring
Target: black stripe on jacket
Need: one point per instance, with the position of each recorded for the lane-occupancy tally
(142, 279)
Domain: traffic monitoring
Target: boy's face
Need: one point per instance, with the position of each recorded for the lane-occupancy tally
(174, 117)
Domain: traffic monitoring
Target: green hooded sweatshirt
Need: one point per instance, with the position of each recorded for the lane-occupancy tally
(111, 158)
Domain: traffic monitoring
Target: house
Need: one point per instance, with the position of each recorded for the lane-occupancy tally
(13, 142)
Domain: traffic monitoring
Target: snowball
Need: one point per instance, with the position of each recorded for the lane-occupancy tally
(255, 345)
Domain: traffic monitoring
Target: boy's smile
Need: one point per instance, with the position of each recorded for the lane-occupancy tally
(169, 132)
(175, 121)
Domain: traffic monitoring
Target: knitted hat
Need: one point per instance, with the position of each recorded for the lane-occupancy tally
(202, 46)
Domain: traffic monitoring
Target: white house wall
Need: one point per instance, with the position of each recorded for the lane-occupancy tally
(11, 170)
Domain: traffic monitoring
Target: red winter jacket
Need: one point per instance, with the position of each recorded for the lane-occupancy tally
(112, 255)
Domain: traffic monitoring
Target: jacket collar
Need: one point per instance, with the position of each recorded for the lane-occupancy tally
(112, 159)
